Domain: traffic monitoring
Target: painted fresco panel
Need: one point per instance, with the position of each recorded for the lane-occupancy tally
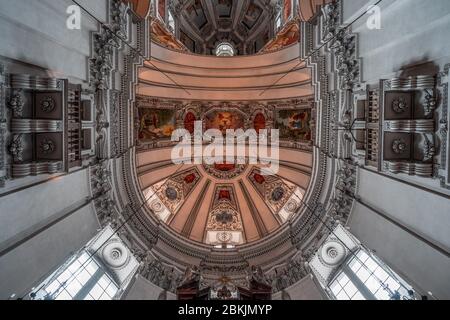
(294, 124)
(156, 123)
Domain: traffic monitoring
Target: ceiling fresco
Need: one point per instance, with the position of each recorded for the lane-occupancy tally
(244, 24)
(224, 203)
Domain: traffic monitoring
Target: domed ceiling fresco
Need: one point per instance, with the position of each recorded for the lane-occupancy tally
(223, 203)
(246, 25)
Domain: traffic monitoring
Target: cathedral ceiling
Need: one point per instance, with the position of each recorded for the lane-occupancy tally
(223, 204)
(247, 25)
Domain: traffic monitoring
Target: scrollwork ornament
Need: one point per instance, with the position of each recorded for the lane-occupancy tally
(399, 146)
(16, 104)
(443, 127)
(429, 149)
(47, 146)
(48, 104)
(16, 148)
(430, 104)
(224, 237)
(157, 206)
(399, 105)
(291, 206)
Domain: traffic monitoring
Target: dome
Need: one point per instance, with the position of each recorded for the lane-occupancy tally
(224, 150)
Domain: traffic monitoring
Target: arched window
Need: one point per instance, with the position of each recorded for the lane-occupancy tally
(225, 49)
(365, 277)
(171, 22)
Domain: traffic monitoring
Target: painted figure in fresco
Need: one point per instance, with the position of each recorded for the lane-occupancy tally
(224, 120)
(294, 124)
(189, 122)
(259, 123)
(156, 124)
(149, 124)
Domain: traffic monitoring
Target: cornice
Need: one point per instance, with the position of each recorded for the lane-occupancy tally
(145, 234)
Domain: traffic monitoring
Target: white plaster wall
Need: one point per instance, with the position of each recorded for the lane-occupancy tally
(35, 32)
(33, 260)
(412, 32)
(305, 289)
(142, 289)
(24, 209)
(424, 212)
(419, 264)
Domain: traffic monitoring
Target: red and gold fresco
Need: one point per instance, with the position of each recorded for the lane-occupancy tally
(294, 124)
(224, 212)
(140, 7)
(272, 188)
(174, 191)
(189, 122)
(289, 35)
(259, 123)
(287, 9)
(164, 37)
(224, 120)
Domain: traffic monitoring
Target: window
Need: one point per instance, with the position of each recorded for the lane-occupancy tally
(365, 277)
(171, 22)
(278, 23)
(224, 49)
(81, 278)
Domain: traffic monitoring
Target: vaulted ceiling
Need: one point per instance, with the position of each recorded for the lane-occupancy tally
(223, 204)
(247, 24)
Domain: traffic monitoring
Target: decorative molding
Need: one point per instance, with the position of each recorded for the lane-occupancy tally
(36, 125)
(16, 148)
(344, 45)
(344, 192)
(2, 126)
(444, 120)
(410, 168)
(144, 233)
(164, 276)
(30, 82)
(16, 103)
(282, 277)
(20, 170)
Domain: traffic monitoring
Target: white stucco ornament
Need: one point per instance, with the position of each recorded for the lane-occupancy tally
(333, 253)
(115, 254)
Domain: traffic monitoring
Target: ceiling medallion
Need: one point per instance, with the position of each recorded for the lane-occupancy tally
(224, 218)
(399, 146)
(399, 105)
(225, 171)
(156, 206)
(171, 193)
(48, 104)
(332, 253)
(47, 146)
(277, 194)
(291, 206)
(115, 254)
